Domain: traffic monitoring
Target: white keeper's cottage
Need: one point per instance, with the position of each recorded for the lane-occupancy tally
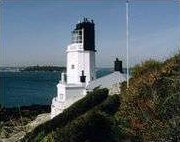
(81, 71)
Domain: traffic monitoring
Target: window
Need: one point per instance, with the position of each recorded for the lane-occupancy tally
(61, 96)
(72, 66)
(77, 36)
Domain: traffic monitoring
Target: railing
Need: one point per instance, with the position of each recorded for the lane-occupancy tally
(75, 46)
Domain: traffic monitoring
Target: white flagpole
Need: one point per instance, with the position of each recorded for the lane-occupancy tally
(127, 40)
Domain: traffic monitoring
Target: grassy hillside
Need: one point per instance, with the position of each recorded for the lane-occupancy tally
(91, 100)
(149, 110)
(150, 107)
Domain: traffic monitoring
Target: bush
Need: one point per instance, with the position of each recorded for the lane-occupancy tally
(92, 99)
(95, 126)
(110, 105)
(151, 102)
(146, 66)
(80, 107)
(87, 128)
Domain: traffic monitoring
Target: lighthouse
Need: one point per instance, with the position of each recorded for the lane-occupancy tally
(81, 75)
(80, 67)
(81, 54)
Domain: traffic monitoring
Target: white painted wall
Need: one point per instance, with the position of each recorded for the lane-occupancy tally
(61, 92)
(81, 60)
(67, 95)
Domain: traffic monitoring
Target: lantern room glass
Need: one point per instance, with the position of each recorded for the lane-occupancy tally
(77, 36)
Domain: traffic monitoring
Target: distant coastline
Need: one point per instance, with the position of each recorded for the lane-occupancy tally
(33, 69)
(48, 69)
(44, 68)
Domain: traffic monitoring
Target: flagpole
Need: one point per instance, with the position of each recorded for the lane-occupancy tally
(127, 41)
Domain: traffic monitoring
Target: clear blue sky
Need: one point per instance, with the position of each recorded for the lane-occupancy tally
(38, 31)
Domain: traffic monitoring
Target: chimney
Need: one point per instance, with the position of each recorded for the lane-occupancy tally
(118, 65)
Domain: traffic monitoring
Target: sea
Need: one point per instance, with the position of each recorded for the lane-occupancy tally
(31, 88)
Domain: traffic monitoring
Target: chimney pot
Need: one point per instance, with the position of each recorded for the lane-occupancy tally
(118, 65)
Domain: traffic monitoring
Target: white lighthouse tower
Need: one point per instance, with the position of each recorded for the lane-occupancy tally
(81, 75)
(80, 67)
(81, 54)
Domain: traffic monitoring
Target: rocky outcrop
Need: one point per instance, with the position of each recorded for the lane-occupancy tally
(28, 128)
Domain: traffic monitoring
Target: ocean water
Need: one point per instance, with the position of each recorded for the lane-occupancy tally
(28, 88)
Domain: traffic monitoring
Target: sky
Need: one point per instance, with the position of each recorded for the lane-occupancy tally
(37, 32)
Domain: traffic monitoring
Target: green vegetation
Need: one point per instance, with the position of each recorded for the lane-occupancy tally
(95, 125)
(149, 110)
(13, 120)
(44, 68)
(80, 107)
(150, 107)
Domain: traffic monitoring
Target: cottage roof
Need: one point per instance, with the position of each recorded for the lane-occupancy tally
(107, 81)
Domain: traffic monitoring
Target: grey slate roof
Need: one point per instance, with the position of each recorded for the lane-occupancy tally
(107, 81)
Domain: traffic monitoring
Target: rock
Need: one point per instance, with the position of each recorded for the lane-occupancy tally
(28, 128)
(39, 120)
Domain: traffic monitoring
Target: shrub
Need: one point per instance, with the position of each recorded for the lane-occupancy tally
(80, 107)
(110, 105)
(152, 101)
(146, 66)
(87, 126)
(95, 126)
